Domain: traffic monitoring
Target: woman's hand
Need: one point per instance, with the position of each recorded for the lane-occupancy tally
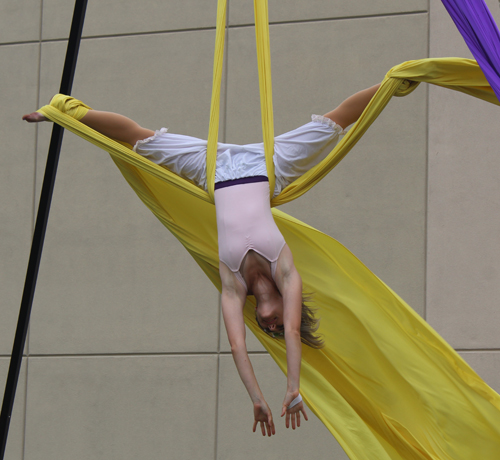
(294, 412)
(262, 415)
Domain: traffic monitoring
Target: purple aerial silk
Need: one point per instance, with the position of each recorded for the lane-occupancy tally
(474, 21)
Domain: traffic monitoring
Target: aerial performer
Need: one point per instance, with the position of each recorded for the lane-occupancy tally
(383, 382)
(254, 259)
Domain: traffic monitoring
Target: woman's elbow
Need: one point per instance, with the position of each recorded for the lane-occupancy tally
(237, 346)
(292, 333)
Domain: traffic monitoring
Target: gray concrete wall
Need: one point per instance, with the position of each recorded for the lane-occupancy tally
(127, 356)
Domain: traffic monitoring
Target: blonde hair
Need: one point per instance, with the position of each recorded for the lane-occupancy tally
(309, 324)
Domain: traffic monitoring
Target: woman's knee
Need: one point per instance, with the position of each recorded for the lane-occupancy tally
(139, 134)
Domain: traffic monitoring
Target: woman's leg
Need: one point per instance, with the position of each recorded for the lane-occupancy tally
(297, 151)
(350, 110)
(110, 124)
(116, 126)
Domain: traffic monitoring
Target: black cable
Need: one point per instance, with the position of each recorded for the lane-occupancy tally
(40, 228)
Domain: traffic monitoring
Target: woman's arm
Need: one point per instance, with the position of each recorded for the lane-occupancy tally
(290, 285)
(233, 300)
(351, 109)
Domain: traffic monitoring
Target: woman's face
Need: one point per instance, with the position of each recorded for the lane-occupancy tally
(270, 314)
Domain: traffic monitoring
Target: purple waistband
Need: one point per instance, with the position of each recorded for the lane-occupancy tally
(243, 180)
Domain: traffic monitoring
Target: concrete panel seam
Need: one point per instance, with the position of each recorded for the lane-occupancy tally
(33, 219)
(25, 412)
(477, 350)
(346, 18)
(101, 36)
(8, 356)
(21, 43)
(136, 34)
(426, 198)
(141, 355)
(219, 325)
(216, 412)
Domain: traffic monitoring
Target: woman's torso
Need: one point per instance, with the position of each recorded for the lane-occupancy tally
(245, 223)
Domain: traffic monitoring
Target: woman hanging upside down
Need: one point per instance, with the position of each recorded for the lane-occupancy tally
(254, 257)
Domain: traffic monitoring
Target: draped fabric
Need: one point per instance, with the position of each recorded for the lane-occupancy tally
(386, 385)
(479, 30)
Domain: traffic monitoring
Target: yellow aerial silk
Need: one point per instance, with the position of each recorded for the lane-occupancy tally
(386, 384)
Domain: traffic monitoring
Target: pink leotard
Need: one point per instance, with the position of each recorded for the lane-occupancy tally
(244, 223)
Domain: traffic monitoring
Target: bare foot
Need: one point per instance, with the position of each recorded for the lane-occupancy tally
(34, 117)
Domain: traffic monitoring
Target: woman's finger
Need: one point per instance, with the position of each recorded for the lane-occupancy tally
(287, 419)
(293, 421)
(254, 425)
(270, 421)
(263, 428)
(298, 419)
(304, 413)
(271, 424)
